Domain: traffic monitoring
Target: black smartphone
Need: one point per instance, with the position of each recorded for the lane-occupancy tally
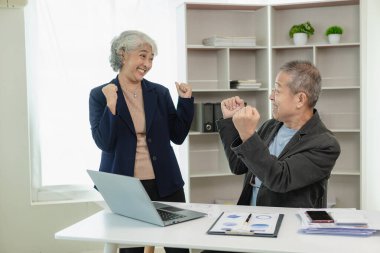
(319, 217)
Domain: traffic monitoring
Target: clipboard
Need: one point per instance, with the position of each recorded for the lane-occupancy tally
(247, 224)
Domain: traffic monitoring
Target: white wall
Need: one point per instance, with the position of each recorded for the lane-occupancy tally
(370, 41)
(25, 228)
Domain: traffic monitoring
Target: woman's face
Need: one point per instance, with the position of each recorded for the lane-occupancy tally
(137, 63)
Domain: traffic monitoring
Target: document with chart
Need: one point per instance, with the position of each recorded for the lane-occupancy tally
(249, 224)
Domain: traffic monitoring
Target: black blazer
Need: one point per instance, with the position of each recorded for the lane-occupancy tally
(297, 177)
(115, 134)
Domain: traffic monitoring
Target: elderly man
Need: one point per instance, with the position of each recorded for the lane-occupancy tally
(287, 160)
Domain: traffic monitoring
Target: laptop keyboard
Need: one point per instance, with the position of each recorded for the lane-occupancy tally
(165, 216)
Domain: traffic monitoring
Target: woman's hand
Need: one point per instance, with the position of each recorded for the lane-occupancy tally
(231, 105)
(184, 90)
(110, 92)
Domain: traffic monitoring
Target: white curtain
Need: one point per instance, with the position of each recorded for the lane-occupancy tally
(68, 45)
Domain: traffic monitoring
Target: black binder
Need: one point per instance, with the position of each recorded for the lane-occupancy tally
(196, 125)
(217, 115)
(208, 117)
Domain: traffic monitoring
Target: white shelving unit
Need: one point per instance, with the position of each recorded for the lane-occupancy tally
(210, 69)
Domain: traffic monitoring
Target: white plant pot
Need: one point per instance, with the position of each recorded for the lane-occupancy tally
(300, 39)
(334, 38)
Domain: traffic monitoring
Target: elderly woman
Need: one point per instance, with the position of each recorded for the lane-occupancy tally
(133, 121)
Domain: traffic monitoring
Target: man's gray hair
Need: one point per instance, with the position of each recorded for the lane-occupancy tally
(305, 78)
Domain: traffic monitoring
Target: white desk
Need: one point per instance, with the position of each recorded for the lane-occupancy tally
(115, 230)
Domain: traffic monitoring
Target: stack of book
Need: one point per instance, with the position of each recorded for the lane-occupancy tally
(225, 41)
(244, 84)
(345, 222)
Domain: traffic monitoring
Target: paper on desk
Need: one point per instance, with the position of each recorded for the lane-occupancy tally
(262, 223)
(334, 228)
(349, 218)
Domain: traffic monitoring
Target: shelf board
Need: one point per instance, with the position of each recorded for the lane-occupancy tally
(224, 174)
(292, 46)
(343, 173)
(341, 88)
(340, 130)
(203, 80)
(347, 44)
(334, 130)
(202, 47)
(229, 90)
(204, 151)
(317, 45)
(202, 133)
(314, 5)
(232, 7)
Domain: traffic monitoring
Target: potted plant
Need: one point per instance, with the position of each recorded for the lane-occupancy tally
(334, 33)
(301, 32)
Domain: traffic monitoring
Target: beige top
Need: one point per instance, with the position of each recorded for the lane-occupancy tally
(143, 165)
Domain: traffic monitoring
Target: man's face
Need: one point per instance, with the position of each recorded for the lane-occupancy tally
(284, 102)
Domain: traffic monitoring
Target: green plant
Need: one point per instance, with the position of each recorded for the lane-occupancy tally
(334, 30)
(302, 28)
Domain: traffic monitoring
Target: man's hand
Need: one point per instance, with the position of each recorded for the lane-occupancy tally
(110, 92)
(184, 90)
(230, 106)
(246, 121)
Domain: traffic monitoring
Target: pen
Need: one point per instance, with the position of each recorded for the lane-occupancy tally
(248, 218)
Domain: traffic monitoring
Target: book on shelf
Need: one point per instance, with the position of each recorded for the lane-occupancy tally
(229, 41)
(244, 84)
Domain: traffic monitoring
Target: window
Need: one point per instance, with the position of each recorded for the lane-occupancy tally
(67, 44)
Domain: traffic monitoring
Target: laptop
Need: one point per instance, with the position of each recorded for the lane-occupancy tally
(126, 196)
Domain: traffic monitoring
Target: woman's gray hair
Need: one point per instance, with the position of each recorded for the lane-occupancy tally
(128, 41)
(305, 78)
